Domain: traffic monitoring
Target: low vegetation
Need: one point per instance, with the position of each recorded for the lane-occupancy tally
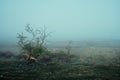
(36, 62)
(20, 70)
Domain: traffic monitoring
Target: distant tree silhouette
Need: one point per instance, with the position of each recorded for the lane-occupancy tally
(69, 47)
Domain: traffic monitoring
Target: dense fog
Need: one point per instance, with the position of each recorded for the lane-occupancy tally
(92, 26)
(67, 19)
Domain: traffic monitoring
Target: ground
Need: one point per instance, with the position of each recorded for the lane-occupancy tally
(22, 70)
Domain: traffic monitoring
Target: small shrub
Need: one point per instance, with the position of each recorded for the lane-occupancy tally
(34, 45)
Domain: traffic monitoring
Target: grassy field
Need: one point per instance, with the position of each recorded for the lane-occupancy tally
(21, 70)
(94, 62)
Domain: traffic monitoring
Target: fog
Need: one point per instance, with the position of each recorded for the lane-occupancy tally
(66, 19)
(84, 40)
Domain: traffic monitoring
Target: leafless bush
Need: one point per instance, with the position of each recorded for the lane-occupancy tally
(34, 45)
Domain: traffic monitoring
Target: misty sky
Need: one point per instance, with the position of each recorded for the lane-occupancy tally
(66, 19)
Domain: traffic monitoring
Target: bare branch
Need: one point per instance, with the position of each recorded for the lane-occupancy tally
(35, 45)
